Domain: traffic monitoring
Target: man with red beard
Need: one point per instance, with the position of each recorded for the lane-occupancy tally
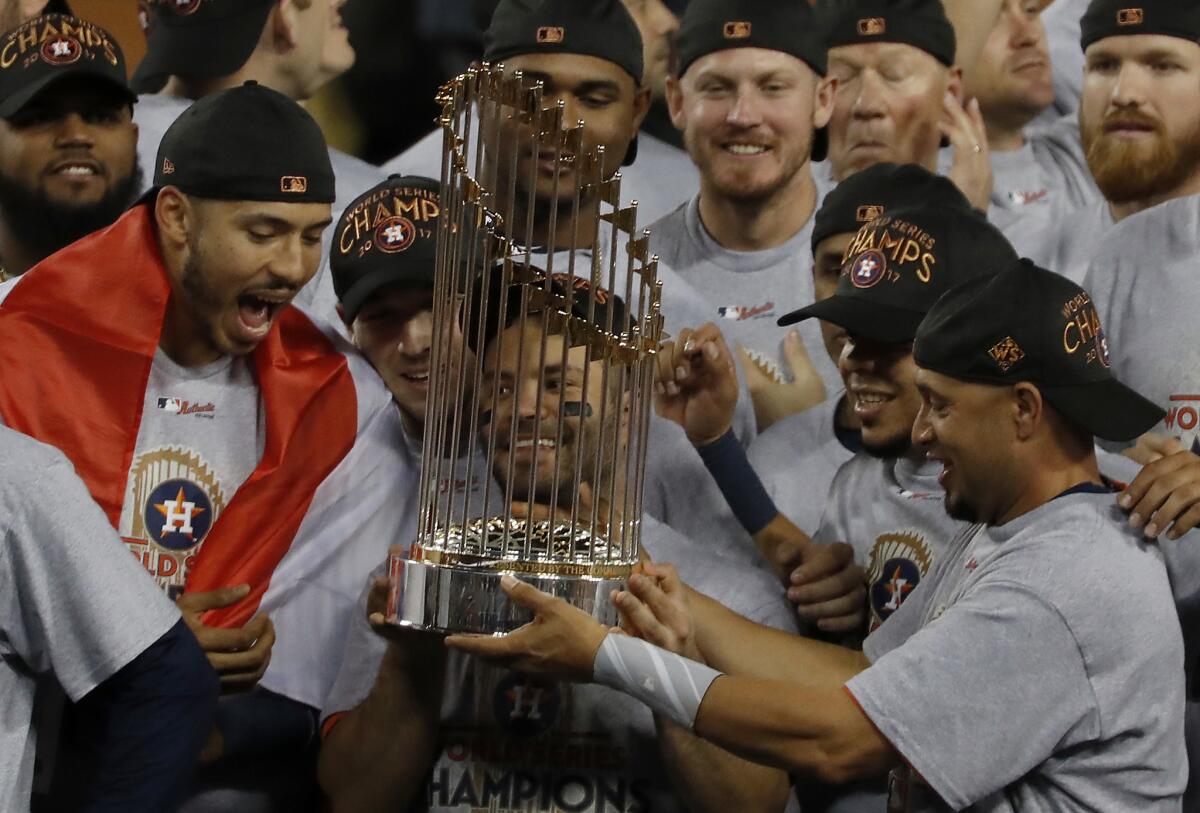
(1138, 119)
(1146, 155)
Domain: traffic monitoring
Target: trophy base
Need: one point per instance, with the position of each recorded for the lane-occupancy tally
(448, 599)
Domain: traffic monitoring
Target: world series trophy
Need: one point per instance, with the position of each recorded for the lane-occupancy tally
(564, 472)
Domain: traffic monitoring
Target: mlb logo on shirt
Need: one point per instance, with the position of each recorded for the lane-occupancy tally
(170, 405)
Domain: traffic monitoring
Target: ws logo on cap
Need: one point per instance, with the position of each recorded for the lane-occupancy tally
(1006, 353)
(872, 27)
(551, 34)
(739, 30)
(1131, 16)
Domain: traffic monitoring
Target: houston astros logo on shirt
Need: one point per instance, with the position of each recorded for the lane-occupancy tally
(173, 503)
(897, 564)
(525, 706)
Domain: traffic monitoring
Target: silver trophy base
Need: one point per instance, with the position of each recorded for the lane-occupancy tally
(448, 599)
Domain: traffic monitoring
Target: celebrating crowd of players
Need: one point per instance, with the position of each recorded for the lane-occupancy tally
(928, 549)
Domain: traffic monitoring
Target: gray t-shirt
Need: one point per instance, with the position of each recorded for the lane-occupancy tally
(747, 291)
(1066, 246)
(891, 512)
(662, 177)
(74, 609)
(1145, 288)
(516, 742)
(1042, 182)
(201, 435)
(797, 459)
(156, 112)
(1021, 676)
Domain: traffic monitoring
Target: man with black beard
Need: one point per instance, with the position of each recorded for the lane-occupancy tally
(68, 157)
(1138, 120)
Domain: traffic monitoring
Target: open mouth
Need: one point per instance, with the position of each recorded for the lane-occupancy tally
(256, 312)
(416, 379)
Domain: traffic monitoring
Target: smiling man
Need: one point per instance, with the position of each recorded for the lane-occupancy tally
(750, 97)
(216, 425)
(68, 145)
(1020, 677)
(1138, 123)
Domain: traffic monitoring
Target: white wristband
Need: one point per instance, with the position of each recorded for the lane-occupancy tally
(670, 684)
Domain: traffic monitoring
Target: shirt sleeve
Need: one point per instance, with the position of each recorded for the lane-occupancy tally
(983, 694)
(73, 600)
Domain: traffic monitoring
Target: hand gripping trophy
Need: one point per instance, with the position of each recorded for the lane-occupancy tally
(542, 369)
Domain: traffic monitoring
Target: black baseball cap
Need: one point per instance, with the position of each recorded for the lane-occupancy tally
(900, 263)
(1030, 324)
(874, 191)
(564, 293)
(920, 23)
(387, 236)
(197, 38)
(246, 143)
(54, 47)
(788, 26)
(599, 28)
(1126, 18)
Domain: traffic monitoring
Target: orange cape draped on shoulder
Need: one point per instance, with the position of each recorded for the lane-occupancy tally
(78, 336)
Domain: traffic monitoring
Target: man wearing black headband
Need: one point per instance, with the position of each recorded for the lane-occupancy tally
(197, 47)
(1138, 124)
(1021, 676)
(68, 145)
